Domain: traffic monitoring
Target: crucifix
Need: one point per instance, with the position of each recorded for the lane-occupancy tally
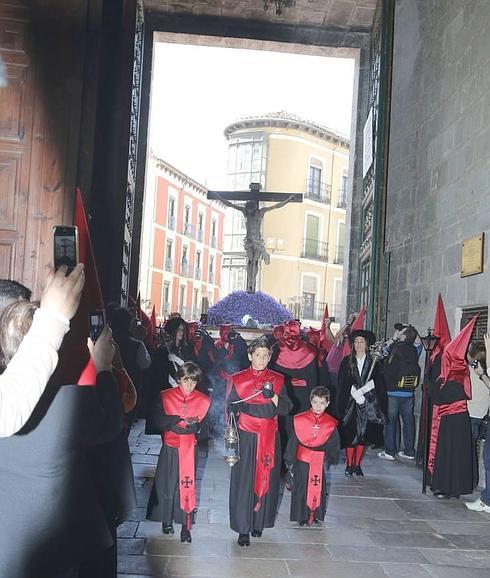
(253, 242)
(315, 428)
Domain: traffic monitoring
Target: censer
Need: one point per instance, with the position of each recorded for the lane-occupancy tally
(232, 441)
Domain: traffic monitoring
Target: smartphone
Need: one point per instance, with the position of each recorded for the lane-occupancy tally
(96, 321)
(65, 243)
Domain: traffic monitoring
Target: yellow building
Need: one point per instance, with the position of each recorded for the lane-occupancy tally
(305, 241)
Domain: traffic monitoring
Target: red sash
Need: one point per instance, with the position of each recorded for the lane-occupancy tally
(313, 430)
(265, 429)
(196, 404)
(439, 411)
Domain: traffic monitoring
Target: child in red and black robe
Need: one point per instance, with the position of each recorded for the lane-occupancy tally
(313, 442)
(257, 395)
(179, 417)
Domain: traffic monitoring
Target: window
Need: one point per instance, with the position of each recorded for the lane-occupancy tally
(171, 207)
(247, 161)
(182, 299)
(166, 297)
(309, 296)
(198, 259)
(184, 254)
(312, 235)
(481, 321)
(213, 233)
(314, 181)
(169, 249)
(171, 213)
(339, 250)
(200, 227)
(211, 270)
(187, 213)
(196, 303)
(343, 191)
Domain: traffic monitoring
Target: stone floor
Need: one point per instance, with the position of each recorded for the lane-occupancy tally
(376, 526)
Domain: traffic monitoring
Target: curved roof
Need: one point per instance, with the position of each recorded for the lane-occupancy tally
(286, 120)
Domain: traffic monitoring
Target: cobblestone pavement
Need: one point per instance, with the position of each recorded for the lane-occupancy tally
(376, 526)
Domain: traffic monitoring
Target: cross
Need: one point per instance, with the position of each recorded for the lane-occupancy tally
(316, 427)
(254, 215)
(266, 461)
(315, 480)
(186, 482)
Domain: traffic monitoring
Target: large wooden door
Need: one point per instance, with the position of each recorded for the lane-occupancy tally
(15, 139)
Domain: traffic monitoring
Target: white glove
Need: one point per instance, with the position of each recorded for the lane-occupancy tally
(368, 387)
(357, 395)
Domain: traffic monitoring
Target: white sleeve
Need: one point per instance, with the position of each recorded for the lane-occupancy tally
(143, 359)
(25, 378)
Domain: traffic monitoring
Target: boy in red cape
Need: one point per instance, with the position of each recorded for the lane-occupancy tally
(258, 396)
(450, 462)
(179, 416)
(314, 440)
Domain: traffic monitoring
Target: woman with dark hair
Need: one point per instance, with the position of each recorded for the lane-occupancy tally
(359, 400)
(178, 349)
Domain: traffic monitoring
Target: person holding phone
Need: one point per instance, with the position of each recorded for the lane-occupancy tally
(27, 373)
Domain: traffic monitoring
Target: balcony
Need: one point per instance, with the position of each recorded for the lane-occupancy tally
(300, 308)
(171, 222)
(213, 241)
(189, 230)
(198, 274)
(169, 264)
(185, 270)
(314, 249)
(200, 235)
(317, 190)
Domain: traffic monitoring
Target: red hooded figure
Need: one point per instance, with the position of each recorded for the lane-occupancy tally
(451, 461)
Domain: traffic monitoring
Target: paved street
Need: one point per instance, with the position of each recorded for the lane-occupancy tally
(376, 526)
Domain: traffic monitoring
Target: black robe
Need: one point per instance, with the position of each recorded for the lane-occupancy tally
(350, 414)
(164, 501)
(453, 460)
(299, 511)
(243, 518)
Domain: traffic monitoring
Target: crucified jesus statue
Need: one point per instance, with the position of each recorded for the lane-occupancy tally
(253, 242)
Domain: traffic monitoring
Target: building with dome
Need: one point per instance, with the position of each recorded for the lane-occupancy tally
(305, 240)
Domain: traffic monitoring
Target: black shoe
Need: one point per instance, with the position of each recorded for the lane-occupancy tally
(167, 528)
(440, 494)
(244, 539)
(185, 535)
(358, 471)
(349, 470)
(257, 533)
(303, 523)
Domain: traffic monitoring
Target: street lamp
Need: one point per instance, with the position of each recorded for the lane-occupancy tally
(429, 342)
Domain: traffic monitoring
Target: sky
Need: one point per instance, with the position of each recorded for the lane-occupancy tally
(198, 90)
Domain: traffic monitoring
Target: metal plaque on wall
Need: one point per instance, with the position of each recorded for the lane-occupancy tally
(472, 255)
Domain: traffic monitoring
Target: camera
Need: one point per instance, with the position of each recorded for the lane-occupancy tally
(65, 244)
(96, 321)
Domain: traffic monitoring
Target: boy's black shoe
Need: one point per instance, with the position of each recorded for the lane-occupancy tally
(358, 471)
(349, 470)
(303, 523)
(167, 528)
(185, 535)
(244, 539)
(257, 533)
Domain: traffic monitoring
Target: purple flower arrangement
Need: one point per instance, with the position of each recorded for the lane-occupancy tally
(260, 306)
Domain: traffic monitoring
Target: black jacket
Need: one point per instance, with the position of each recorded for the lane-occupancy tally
(51, 514)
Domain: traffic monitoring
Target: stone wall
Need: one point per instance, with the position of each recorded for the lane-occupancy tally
(439, 161)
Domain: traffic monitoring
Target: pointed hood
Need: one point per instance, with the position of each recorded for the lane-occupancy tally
(358, 324)
(454, 366)
(441, 330)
